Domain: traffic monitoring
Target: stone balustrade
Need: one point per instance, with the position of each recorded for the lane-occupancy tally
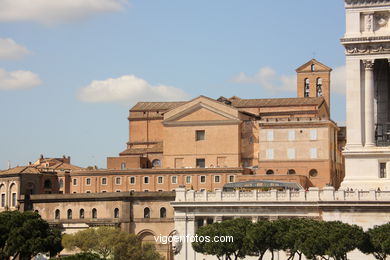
(312, 194)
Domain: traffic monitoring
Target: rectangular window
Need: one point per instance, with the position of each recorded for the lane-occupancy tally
(291, 135)
(123, 165)
(132, 180)
(202, 179)
(270, 135)
(146, 180)
(13, 199)
(199, 135)
(291, 153)
(104, 181)
(313, 153)
(188, 179)
(160, 179)
(118, 180)
(174, 179)
(231, 178)
(74, 181)
(217, 178)
(88, 181)
(3, 200)
(270, 154)
(200, 163)
(382, 170)
(313, 134)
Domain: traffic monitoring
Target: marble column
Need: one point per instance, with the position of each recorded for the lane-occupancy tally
(369, 122)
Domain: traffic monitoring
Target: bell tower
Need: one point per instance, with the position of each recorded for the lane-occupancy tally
(313, 80)
(367, 50)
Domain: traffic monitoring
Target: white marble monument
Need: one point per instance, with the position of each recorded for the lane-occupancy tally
(367, 49)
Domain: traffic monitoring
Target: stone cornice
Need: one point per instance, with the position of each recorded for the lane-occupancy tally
(368, 39)
(367, 48)
(365, 3)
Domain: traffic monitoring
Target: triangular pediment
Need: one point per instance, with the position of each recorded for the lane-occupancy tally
(202, 109)
(318, 67)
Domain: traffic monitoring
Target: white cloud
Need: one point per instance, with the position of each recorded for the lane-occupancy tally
(10, 50)
(19, 79)
(268, 79)
(128, 89)
(56, 11)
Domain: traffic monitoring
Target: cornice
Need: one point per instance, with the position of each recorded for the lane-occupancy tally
(366, 3)
(367, 48)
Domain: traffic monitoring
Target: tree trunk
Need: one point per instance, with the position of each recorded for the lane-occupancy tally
(272, 254)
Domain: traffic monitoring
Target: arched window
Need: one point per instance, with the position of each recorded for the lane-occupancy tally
(57, 215)
(82, 213)
(313, 67)
(47, 184)
(116, 213)
(69, 215)
(94, 213)
(123, 165)
(156, 163)
(269, 172)
(291, 171)
(146, 213)
(307, 88)
(163, 212)
(313, 173)
(319, 87)
(61, 183)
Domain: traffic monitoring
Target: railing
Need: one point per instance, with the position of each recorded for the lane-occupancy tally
(382, 134)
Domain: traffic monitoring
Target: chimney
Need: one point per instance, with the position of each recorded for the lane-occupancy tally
(9, 165)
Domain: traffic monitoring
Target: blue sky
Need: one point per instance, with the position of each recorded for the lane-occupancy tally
(69, 71)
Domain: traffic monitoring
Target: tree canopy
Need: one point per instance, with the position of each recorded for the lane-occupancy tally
(377, 242)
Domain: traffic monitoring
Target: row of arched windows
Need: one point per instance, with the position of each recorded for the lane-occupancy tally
(318, 87)
(163, 212)
(69, 213)
(312, 172)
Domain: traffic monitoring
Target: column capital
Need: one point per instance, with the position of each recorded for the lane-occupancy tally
(368, 64)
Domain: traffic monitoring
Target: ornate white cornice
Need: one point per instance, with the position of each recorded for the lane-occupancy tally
(358, 49)
(365, 3)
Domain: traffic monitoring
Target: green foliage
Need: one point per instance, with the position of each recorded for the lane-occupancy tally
(261, 237)
(27, 234)
(110, 243)
(377, 241)
(82, 256)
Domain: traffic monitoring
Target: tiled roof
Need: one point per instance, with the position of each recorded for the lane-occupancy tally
(156, 106)
(275, 102)
(158, 148)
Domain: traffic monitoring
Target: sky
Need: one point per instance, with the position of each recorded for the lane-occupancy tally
(70, 70)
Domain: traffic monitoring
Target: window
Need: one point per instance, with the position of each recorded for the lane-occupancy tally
(3, 200)
(313, 173)
(146, 190)
(132, 180)
(156, 163)
(251, 140)
(163, 212)
(202, 179)
(160, 179)
(13, 203)
(217, 179)
(291, 171)
(291, 135)
(313, 153)
(291, 153)
(118, 191)
(74, 181)
(200, 163)
(88, 191)
(61, 183)
(118, 180)
(270, 135)
(382, 170)
(307, 88)
(116, 213)
(269, 172)
(188, 179)
(146, 213)
(319, 87)
(88, 181)
(269, 154)
(81, 213)
(47, 184)
(69, 214)
(199, 135)
(174, 179)
(313, 134)
(146, 180)
(313, 67)
(123, 165)
(57, 214)
(104, 181)
(94, 213)
(231, 178)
